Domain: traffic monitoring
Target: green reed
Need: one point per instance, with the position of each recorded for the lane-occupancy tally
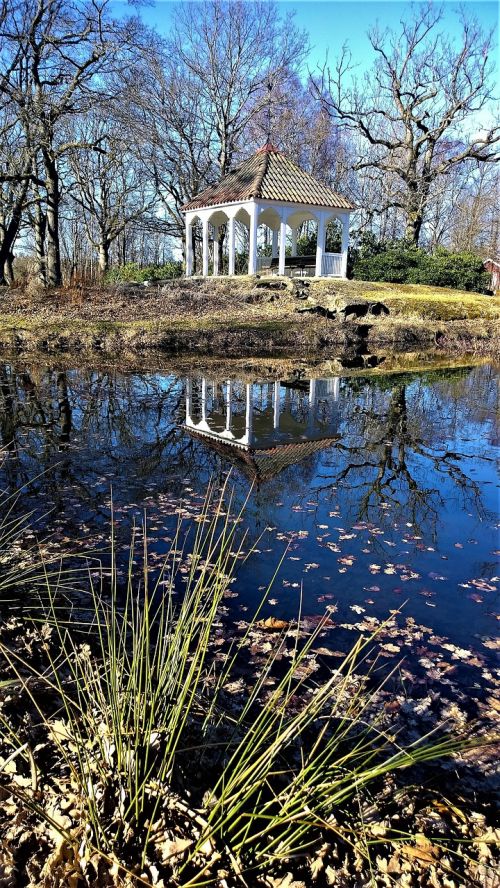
(140, 694)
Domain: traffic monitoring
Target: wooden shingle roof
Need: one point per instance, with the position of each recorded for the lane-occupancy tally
(269, 175)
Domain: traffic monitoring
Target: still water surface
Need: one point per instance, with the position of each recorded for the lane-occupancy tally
(384, 487)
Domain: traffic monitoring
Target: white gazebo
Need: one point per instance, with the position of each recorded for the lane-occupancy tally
(268, 189)
(264, 427)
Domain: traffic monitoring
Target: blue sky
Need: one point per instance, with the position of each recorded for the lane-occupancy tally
(330, 23)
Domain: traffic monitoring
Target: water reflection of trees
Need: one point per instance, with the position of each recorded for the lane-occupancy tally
(83, 429)
(396, 450)
(70, 433)
(396, 455)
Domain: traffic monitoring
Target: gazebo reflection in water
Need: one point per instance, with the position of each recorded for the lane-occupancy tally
(263, 426)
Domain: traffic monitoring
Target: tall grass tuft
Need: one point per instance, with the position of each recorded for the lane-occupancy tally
(167, 771)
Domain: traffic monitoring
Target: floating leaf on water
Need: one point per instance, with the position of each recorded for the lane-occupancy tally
(484, 585)
(272, 624)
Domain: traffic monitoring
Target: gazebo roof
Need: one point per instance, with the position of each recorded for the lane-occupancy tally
(263, 464)
(269, 175)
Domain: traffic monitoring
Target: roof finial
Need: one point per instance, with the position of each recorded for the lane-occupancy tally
(269, 112)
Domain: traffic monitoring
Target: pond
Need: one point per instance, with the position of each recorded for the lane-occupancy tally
(380, 490)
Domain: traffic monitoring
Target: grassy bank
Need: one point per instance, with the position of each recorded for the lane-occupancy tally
(436, 303)
(247, 316)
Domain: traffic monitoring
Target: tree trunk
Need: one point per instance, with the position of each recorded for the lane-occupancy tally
(413, 228)
(10, 232)
(40, 231)
(418, 196)
(104, 254)
(65, 414)
(6, 261)
(9, 268)
(7, 414)
(414, 216)
(193, 248)
(220, 247)
(54, 273)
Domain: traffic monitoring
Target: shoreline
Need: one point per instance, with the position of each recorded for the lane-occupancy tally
(249, 318)
(265, 340)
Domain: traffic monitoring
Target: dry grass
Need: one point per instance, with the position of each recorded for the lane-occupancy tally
(414, 300)
(216, 300)
(237, 316)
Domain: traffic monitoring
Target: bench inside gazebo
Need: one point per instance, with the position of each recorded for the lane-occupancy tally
(268, 189)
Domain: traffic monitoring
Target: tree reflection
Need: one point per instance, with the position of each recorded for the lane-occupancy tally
(391, 446)
(69, 434)
(395, 452)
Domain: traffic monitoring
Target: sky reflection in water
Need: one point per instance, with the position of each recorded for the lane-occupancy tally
(384, 487)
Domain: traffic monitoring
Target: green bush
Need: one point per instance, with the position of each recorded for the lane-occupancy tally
(133, 272)
(465, 271)
(394, 264)
(401, 263)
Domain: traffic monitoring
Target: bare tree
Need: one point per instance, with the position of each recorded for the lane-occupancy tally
(162, 109)
(63, 49)
(304, 131)
(191, 99)
(415, 108)
(15, 175)
(237, 53)
(474, 222)
(109, 185)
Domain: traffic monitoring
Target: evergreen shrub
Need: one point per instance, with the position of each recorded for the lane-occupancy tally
(401, 263)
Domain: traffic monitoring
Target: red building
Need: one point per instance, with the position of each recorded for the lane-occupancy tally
(493, 266)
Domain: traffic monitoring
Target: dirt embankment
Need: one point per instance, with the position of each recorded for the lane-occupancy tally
(249, 316)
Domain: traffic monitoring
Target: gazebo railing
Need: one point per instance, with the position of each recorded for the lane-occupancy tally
(263, 263)
(332, 264)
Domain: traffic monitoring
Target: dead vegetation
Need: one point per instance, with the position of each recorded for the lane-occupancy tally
(130, 757)
(247, 316)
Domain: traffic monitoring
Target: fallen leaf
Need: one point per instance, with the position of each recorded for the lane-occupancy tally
(423, 850)
(272, 624)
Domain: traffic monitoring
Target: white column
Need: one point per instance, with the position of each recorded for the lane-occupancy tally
(276, 412)
(345, 244)
(231, 243)
(281, 266)
(205, 246)
(189, 401)
(228, 405)
(204, 400)
(294, 241)
(274, 251)
(312, 403)
(252, 253)
(320, 248)
(216, 251)
(189, 248)
(312, 393)
(248, 414)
